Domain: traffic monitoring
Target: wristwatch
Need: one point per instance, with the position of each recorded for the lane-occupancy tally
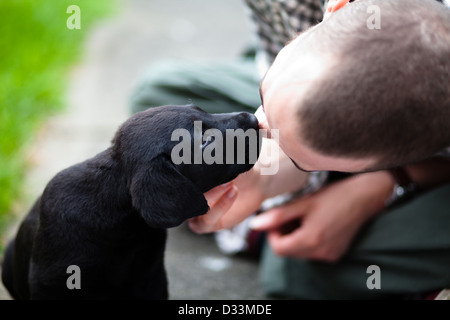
(404, 188)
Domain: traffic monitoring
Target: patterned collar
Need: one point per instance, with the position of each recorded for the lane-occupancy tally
(277, 21)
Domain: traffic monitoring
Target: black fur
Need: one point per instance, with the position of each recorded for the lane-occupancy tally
(108, 215)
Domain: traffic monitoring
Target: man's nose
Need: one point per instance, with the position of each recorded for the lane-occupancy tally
(262, 120)
(261, 116)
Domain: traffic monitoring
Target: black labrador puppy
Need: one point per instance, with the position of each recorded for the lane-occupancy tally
(108, 215)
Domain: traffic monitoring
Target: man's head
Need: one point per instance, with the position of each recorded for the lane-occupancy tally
(350, 98)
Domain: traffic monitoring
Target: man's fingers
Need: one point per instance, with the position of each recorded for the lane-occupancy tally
(210, 221)
(214, 195)
(299, 244)
(283, 245)
(277, 217)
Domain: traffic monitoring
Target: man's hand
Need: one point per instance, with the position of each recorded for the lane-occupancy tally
(232, 203)
(322, 225)
(220, 200)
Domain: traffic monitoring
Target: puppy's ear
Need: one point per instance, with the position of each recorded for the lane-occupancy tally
(164, 197)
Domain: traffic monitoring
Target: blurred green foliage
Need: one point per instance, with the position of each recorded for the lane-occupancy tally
(36, 51)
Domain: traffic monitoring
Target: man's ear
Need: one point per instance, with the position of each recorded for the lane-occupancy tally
(333, 6)
(163, 196)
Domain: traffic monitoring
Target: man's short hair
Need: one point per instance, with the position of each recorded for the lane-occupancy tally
(389, 95)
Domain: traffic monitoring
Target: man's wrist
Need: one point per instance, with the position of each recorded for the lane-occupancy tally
(373, 189)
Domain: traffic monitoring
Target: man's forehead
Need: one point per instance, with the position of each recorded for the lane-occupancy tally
(291, 56)
(295, 71)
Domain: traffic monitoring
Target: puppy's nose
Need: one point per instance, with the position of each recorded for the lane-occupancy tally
(248, 120)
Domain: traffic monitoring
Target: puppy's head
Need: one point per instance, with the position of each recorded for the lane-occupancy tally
(171, 155)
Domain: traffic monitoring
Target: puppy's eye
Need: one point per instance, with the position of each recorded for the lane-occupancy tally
(207, 140)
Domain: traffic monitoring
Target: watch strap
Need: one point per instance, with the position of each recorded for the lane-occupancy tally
(404, 188)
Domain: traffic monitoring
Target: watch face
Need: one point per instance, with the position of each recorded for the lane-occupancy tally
(401, 194)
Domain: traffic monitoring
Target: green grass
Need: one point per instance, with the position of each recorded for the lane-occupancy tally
(36, 52)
